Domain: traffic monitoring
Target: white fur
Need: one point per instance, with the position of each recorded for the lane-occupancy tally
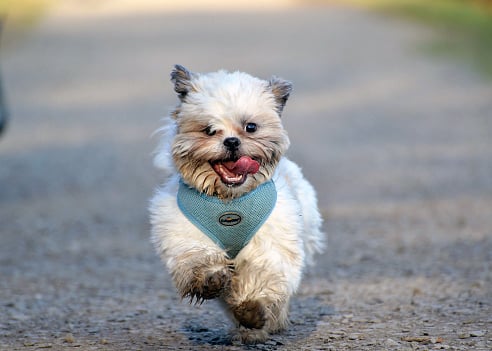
(289, 227)
(163, 159)
(222, 92)
(270, 267)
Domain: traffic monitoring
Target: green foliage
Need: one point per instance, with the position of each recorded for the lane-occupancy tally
(471, 16)
(22, 13)
(464, 27)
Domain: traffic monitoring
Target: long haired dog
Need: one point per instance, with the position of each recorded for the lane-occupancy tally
(236, 220)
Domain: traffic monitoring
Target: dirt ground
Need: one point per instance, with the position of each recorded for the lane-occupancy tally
(397, 142)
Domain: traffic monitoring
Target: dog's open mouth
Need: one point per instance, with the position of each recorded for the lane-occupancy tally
(235, 172)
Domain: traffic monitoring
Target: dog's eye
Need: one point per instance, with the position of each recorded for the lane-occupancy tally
(251, 127)
(209, 131)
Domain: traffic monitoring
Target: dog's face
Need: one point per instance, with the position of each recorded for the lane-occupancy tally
(229, 135)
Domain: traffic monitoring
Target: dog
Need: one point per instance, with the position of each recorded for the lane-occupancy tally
(236, 220)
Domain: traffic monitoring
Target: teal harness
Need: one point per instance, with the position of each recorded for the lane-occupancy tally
(231, 224)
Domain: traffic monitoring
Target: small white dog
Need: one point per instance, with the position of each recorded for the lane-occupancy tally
(235, 220)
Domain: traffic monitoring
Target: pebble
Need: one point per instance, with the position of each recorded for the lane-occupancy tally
(436, 340)
(336, 334)
(69, 338)
(477, 333)
(391, 343)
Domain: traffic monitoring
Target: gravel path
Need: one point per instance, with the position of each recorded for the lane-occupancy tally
(398, 144)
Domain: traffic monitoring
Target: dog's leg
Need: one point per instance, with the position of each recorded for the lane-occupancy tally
(200, 274)
(260, 291)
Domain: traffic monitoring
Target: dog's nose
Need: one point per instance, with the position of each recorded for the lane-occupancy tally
(232, 143)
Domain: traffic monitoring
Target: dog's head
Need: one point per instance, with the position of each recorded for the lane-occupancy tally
(229, 136)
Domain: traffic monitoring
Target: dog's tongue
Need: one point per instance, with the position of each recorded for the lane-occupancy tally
(245, 165)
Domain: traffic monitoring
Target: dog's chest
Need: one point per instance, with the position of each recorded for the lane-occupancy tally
(231, 224)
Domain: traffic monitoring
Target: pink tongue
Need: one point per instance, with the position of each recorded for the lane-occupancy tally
(243, 166)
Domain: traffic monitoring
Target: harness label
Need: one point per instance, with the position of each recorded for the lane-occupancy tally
(230, 219)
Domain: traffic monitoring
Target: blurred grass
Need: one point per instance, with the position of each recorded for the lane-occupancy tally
(464, 27)
(16, 16)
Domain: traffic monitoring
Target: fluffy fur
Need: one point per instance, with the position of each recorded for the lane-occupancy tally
(256, 286)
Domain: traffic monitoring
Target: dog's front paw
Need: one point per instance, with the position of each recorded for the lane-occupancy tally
(244, 335)
(208, 285)
(215, 283)
(250, 314)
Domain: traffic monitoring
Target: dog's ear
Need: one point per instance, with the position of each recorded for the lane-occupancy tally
(281, 90)
(181, 78)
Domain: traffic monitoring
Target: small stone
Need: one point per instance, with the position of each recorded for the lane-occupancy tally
(477, 333)
(356, 336)
(436, 340)
(69, 338)
(391, 343)
(336, 334)
(464, 335)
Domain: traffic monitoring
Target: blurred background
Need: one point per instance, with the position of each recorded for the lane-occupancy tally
(390, 119)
